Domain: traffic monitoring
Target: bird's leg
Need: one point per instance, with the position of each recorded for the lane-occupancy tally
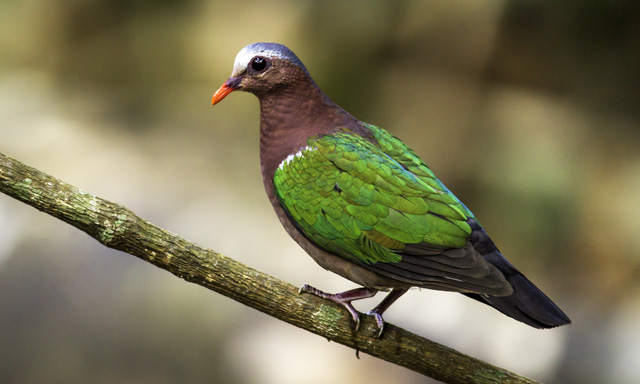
(384, 304)
(344, 298)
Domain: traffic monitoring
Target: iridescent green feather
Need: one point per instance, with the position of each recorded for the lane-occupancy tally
(365, 201)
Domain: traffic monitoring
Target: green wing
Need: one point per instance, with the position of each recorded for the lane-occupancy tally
(378, 205)
(364, 201)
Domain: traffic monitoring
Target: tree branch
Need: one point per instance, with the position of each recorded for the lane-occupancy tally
(117, 227)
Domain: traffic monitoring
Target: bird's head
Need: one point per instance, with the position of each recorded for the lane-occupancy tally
(261, 68)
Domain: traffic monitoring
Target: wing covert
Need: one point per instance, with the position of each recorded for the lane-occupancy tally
(353, 198)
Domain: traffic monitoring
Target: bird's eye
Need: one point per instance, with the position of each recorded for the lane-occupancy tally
(258, 64)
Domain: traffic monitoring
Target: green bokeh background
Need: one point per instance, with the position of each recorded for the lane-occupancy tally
(528, 110)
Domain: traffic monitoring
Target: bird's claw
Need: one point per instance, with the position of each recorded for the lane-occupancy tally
(344, 299)
(379, 322)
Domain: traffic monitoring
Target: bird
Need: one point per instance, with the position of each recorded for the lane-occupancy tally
(363, 205)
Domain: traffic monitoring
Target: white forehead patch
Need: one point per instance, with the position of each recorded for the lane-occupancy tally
(269, 50)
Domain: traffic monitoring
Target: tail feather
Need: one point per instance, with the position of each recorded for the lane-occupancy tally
(527, 303)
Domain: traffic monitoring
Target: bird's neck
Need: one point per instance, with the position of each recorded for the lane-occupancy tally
(289, 117)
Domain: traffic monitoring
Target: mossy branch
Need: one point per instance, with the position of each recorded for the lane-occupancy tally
(117, 227)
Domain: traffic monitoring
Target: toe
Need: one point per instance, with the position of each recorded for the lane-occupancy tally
(379, 322)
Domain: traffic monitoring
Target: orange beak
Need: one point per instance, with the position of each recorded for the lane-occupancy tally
(229, 86)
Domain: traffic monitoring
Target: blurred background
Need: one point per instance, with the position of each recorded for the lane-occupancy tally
(528, 110)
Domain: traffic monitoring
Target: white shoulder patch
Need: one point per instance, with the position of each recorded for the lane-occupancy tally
(292, 157)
